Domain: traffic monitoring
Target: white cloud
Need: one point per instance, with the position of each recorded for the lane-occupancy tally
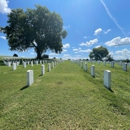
(120, 54)
(4, 6)
(111, 53)
(3, 37)
(88, 50)
(123, 52)
(66, 27)
(118, 57)
(80, 50)
(66, 55)
(106, 32)
(53, 54)
(32, 53)
(89, 43)
(75, 49)
(98, 31)
(112, 18)
(118, 41)
(85, 36)
(53, 57)
(67, 45)
(64, 50)
(97, 46)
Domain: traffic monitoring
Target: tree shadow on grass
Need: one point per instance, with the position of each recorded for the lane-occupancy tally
(25, 87)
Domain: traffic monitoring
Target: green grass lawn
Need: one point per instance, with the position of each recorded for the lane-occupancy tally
(67, 98)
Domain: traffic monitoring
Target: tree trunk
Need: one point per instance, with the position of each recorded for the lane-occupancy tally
(39, 54)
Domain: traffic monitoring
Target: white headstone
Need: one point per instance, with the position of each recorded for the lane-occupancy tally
(36, 62)
(31, 63)
(55, 63)
(49, 67)
(42, 69)
(121, 63)
(28, 62)
(93, 70)
(112, 64)
(17, 63)
(52, 64)
(104, 63)
(81, 64)
(107, 79)
(9, 64)
(85, 67)
(24, 64)
(124, 66)
(5, 62)
(14, 66)
(20, 61)
(30, 77)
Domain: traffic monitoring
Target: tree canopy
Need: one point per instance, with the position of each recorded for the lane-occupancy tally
(35, 28)
(15, 55)
(98, 53)
(109, 58)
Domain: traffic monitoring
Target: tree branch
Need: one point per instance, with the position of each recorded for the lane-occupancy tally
(33, 45)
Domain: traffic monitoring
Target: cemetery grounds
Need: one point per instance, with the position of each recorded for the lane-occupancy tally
(66, 98)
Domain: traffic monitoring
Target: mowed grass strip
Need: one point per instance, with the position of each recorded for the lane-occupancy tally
(65, 98)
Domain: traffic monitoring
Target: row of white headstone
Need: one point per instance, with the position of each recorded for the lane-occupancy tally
(109, 62)
(107, 73)
(14, 66)
(30, 74)
(124, 65)
(112, 63)
(37, 61)
(53, 63)
(10, 58)
(9, 63)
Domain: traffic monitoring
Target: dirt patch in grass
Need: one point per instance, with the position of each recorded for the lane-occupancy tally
(60, 82)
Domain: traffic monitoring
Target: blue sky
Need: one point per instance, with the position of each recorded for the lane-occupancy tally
(89, 23)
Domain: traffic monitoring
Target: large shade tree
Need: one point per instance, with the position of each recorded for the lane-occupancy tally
(98, 53)
(34, 28)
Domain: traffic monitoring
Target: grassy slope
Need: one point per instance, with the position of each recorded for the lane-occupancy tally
(65, 98)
